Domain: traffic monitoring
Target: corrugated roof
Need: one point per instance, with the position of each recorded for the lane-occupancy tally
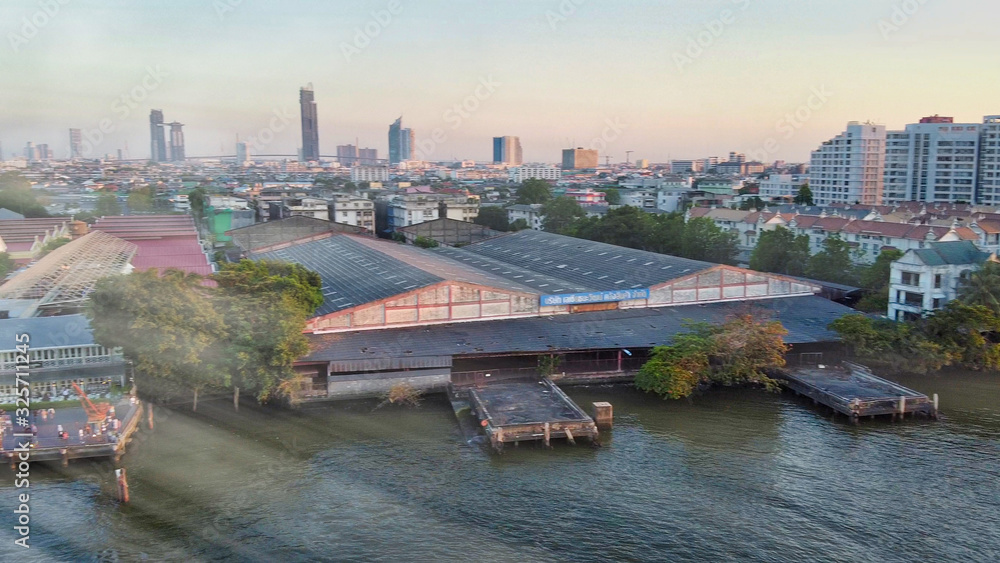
(47, 332)
(806, 319)
(956, 253)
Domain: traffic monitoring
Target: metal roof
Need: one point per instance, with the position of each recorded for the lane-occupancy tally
(560, 263)
(47, 332)
(353, 274)
(806, 319)
(953, 253)
(261, 235)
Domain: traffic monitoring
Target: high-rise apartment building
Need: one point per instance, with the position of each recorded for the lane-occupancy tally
(75, 144)
(176, 142)
(347, 155)
(507, 150)
(935, 160)
(402, 143)
(368, 157)
(989, 161)
(310, 124)
(850, 167)
(579, 159)
(243, 154)
(158, 140)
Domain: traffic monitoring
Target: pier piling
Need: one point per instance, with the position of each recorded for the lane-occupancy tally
(603, 414)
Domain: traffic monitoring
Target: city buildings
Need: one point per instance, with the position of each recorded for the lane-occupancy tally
(158, 140)
(368, 157)
(370, 174)
(402, 143)
(507, 150)
(410, 209)
(176, 142)
(75, 144)
(579, 159)
(519, 174)
(531, 214)
(850, 168)
(351, 210)
(781, 186)
(687, 166)
(935, 160)
(926, 279)
(989, 161)
(243, 157)
(347, 155)
(310, 124)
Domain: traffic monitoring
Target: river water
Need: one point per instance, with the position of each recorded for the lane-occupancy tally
(731, 475)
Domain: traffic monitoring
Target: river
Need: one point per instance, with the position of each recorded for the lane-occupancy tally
(731, 475)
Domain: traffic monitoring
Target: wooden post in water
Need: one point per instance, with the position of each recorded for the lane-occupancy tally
(236, 398)
(548, 435)
(65, 457)
(150, 417)
(902, 407)
(121, 482)
(569, 437)
(935, 406)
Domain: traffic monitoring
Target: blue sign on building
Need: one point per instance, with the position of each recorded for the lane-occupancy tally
(594, 297)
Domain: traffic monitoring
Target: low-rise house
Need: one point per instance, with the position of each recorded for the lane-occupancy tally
(927, 279)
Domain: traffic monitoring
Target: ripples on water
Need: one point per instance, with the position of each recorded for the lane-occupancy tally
(734, 475)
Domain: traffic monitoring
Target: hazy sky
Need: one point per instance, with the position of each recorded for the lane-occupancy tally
(560, 72)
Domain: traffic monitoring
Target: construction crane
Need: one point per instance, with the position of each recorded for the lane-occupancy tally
(628, 157)
(95, 413)
(607, 161)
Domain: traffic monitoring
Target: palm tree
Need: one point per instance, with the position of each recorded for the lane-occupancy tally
(982, 287)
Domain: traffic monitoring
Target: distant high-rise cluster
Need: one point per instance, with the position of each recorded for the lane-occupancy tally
(402, 143)
(310, 124)
(160, 151)
(507, 150)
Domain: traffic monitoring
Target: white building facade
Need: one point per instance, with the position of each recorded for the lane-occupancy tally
(933, 161)
(925, 280)
(519, 174)
(989, 161)
(370, 174)
(850, 167)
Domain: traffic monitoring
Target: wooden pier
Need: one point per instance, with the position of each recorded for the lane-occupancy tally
(514, 412)
(854, 391)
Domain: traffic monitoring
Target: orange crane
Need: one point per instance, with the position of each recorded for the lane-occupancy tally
(95, 413)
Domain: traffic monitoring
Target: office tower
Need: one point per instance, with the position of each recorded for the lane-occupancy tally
(75, 143)
(347, 155)
(850, 167)
(158, 144)
(43, 153)
(242, 154)
(121, 155)
(176, 142)
(579, 159)
(369, 157)
(402, 143)
(989, 161)
(507, 150)
(310, 124)
(935, 160)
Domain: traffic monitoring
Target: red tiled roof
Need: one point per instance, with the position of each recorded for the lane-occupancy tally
(164, 241)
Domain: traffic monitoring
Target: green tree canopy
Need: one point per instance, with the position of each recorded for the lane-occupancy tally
(519, 225)
(982, 287)
(704, 240)
(612, 196)
(198, 198)
(16, 195)
(805, 196)
(493, 217)
(107, 205)
(834, 263)
(7, 265)
(534, 191)
(560, 214)
(140, 200)
(53, 244)
(875, 280)
(753, 203)
(265, 277)
(781, 252)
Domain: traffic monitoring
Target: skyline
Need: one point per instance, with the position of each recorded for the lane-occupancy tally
(224, 72)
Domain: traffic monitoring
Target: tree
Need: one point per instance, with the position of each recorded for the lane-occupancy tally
(52, 245)
(350, 186)
(805, 196)
(493, 217)
(140, 200)
(425, 242)
(875, 280)
(982, 287)
(780, 252)
(626, 226)
(612, 196)
(16, 195)
(519, 225)
(107, 205)
(534, 191)
(834, 263)
(754, 203)
(265, 277)
(560, 214)
(198, 200)
(168, 326)
(7, 265)
(702, 239)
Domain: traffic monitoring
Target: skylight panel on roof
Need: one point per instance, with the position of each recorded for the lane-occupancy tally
(602, 277)
(619, 282)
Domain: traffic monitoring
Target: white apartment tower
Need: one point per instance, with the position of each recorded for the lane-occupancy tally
(850, 167)
(933, 161)
(989, 161)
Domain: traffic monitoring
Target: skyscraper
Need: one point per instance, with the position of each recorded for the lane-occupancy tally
(579, 159)
(402, 143)
(242, 154)
(310, 125)
(158, 144)
(369, 157)
(850, 167)
(75, 143)
(989, 161)
(347, 155)
(507, 150)
(935, 160)
(176, 142)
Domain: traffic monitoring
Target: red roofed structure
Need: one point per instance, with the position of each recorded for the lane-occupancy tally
(164, 241)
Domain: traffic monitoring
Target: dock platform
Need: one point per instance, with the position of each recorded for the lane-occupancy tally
(513, 412)
(854, 391)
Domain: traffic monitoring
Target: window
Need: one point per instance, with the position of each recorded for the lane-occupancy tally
(937, 303)
(937, 282)
(910, 278)
(912, 299)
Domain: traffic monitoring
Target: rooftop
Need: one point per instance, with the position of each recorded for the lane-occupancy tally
(951, 253)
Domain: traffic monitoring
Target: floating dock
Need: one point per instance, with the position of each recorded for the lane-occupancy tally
(854, 391)
(514, 412)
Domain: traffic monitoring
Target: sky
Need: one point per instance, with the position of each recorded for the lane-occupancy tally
(665, 79)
